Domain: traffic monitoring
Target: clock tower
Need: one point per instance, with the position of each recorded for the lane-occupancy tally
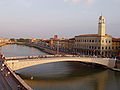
(101, 26)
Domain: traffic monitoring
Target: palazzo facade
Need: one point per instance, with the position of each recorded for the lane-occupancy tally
(95, 44)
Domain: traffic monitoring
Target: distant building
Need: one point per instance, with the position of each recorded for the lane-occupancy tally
(53, 42)
(4, 40)
(71, 45)
(95, 44)
(64, 44)
(55, 36)
(116, 47)
(100, 44)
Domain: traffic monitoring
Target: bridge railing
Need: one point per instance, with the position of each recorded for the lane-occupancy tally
(48, 56)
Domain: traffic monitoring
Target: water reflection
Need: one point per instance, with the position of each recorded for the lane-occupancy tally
(97, 81)
(19, 50)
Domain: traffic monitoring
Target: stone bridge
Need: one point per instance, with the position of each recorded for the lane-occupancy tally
(16, 63)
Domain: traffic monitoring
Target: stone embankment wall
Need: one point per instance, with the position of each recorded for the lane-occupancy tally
(49, 51)
(19, 80)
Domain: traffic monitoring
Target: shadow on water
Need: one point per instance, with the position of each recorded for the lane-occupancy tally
(70, 76)
(59, 71)
(64, 76)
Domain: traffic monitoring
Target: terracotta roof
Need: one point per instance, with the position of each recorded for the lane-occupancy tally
(89, 35)
(72, 39)
(116, 39)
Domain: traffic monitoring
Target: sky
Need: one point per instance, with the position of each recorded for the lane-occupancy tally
(66, 18)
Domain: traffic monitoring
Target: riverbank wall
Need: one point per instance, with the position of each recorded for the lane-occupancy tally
(19, 80)
(42, 49)
(46, 50)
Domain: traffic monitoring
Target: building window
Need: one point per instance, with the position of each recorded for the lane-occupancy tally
(102, 41)
(98, 47)
(89, 47)
(102, 47)
(106, 47)
(92, 47)
(109, 47)
(112, 47)
(95, 47)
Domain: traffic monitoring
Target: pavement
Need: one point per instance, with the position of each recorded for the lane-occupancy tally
(7, 81)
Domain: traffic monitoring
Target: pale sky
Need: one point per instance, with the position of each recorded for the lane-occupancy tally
(67, 18)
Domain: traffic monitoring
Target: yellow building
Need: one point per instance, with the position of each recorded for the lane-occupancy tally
(4, 40)
(95, 44)
(63, 44)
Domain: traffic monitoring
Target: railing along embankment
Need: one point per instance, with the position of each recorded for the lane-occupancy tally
(19, 80)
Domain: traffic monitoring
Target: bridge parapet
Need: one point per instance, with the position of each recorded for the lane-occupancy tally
(36, 57)
(48, 56)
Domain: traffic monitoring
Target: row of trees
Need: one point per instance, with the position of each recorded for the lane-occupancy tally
(19, 40)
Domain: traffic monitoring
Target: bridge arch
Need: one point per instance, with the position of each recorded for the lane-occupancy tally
(24, 63)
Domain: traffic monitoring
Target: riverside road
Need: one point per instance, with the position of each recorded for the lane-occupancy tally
(7, 80)
(3, 82)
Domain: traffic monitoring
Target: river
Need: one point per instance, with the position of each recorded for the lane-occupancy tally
(63, 75)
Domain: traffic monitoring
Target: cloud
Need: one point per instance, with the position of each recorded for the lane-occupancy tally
(79, 1)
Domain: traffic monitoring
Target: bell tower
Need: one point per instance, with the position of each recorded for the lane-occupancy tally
(101, 26)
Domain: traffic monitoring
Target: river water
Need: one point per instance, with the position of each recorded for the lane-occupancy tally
(63, 75)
